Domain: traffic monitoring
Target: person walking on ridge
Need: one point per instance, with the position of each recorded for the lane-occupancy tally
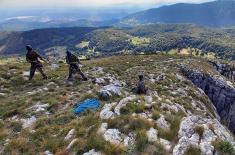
(34, 58)
(74, 62)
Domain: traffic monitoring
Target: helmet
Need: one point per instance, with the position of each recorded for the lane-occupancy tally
(68, 53)
(29, 47)
(141, 77)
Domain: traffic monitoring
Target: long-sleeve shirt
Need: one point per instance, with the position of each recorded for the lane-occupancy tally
(72, 59)
(33, 57)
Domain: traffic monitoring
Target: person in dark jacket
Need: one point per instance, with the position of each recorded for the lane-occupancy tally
(140, 87)
(74, 62)
(34, 58)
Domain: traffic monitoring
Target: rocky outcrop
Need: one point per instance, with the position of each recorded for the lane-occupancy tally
(152, 135)
(225, 70)
(220, 92)
(212, 130)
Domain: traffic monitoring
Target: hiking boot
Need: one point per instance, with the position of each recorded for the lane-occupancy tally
(69, 79)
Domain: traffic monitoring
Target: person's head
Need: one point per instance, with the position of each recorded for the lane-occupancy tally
(68, 53)
(29, 48)
(141, 77)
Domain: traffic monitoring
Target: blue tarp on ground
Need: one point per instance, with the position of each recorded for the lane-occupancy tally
(85, 105)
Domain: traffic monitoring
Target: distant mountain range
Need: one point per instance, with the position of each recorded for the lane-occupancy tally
(214, 14)
(25, 23)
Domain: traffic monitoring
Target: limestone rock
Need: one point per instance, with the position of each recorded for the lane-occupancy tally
(106, 112)
(29, 122)
(99, 81)
(70, 135)
(97, 70)
(54, 66)
(148, 99)
(152, 135)
(162, 123)
(113, 136)
(92, 152)
(48, 153)
(188, 136)
(220, 93)
(110, 90)
(102, 128)
(129, 140)
(39, 107)
(52, 85)
(166, 144)
(123, 103)
(2, 94)
(71, 144)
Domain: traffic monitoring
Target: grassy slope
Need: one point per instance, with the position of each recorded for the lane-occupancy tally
(50, 130)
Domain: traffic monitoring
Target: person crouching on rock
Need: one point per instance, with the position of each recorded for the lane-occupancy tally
(34, 58)
(141, 88)
(74, 62)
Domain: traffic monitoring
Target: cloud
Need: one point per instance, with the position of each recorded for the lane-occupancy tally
(87, 3)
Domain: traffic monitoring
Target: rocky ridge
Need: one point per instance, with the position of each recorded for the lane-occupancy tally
(171, 119)
(220, 92)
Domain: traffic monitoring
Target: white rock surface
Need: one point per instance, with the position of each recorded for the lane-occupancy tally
(113, 136)
(26, 73)
(102, 128)
(2, 94)
(162, 123)
(54, 66)
(52, 85)
(179, 77)
(29, 122)
(71, 144)
(148, 99)
(100, 80)
(187, 135)
(152, 135)
(39, 107)
(97, 70)
(106, 112)
(47, 152)
(92, 152)
(111, 90)
(70, 135)
(129, 140)
(166, 144)
(123, 103)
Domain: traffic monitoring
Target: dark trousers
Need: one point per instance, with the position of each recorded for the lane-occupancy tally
(74, 68)
(33, 68)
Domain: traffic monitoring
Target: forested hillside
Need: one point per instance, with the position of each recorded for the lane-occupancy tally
(107, 40)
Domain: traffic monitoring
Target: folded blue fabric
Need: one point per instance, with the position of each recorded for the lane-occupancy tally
(85, 105)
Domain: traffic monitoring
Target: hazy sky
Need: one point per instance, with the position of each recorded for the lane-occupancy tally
(87, 3)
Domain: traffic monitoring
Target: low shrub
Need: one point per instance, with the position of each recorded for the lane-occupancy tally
(223, 147)
(127, 124)
(141, 140)
(132, 108)
(156, 115)
(16, 126)
(199, 130)
(192, 150)
(174, 127)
